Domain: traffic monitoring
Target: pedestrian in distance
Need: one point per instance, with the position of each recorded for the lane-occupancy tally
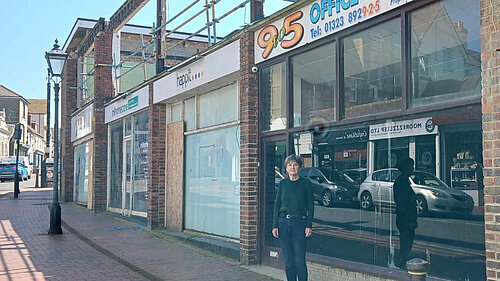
(292, 218)
(406, 210)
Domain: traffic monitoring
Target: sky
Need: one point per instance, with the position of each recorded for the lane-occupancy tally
(30, 27)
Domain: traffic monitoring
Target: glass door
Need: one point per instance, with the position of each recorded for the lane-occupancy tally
(127, 166)
(273, 172)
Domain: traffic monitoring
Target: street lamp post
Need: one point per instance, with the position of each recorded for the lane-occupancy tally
(47, 135)
(56, 59)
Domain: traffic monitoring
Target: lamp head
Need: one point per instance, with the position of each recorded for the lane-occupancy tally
(56, 59)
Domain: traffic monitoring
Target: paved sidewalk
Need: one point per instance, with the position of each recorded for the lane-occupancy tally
(100, 247)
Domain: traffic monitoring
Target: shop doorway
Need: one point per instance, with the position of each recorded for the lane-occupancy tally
(127, 177)
(273, 171)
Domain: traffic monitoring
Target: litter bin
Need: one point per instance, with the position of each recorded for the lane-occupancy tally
(49, 172)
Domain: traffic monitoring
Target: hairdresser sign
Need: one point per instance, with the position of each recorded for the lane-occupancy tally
(315, 21)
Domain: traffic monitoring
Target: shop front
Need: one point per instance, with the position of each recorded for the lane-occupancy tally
(355, 88)
(82, 139)
(203, 150)
(128, 153)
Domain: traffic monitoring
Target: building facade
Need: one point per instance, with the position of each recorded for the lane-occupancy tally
(351, 86)
(5, 134)
(16, 111)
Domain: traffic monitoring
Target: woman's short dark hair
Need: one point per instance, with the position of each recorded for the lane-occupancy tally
(293, 158)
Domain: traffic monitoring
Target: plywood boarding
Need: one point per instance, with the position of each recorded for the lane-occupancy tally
(175, 178)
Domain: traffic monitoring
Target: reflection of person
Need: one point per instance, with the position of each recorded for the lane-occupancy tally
(406, 211)
(478, 170)
(292, 218)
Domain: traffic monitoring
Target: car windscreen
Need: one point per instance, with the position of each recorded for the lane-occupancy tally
(337, 176)
(427, 180)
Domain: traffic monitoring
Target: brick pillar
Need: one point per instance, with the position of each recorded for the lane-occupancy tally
(248, 152)
(68, 106)
(490, 65)
(103, 85)
(156, 162)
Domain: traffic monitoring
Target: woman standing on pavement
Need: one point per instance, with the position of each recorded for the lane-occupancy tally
(292, 218)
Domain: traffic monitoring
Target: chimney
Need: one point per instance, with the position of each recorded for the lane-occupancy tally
(462, 32)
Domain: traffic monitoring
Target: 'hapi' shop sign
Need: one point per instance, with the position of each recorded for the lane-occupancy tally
(406, 128)
(316, 21)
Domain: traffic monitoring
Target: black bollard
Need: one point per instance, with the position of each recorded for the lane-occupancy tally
(417, 268)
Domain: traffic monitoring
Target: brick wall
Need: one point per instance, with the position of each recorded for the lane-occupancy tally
(156, 164)
(103, 86)
(248, 152)
(490, 67)
(68, 106)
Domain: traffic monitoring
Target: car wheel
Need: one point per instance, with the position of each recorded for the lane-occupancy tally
(2, 180)
(421, 205)
(327, 198)
(366, 201)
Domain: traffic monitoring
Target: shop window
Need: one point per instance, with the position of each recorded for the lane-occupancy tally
(352, 175)
(448, 68)
(314, 86)
(116, 164)
(212, 186)
(219, 106)
(372, 70)
(140, 183)
(176, 113)
(81, 167)
(190, 114)
(273, 97)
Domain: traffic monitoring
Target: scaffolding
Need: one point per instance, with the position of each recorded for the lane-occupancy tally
(146, 54)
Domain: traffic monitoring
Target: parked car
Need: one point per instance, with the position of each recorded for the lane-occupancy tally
(432, 195)
(330, 186)
(22, 159)
(358, 175)
(8, 172)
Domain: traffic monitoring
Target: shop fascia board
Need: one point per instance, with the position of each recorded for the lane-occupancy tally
(191, 62)
(278, 15)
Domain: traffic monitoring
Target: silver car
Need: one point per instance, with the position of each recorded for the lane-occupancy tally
(432, 195)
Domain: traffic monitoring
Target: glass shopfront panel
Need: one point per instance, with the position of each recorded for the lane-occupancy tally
(190, 114)
(449, 68)
(355, 214)
(219, 106)
(313, 94)
(140, 188)
(212, 182)
(273, 92)
(116, 164)
(129, 163)
(82, 170)
(372, 69)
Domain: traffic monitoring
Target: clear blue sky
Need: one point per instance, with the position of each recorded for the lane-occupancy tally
(29, 29)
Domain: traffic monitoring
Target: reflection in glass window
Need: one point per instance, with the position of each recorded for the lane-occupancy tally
(219, 106)
(314, 86)
(448, 68)
(372, 69)
(272, 89)
(116, 164)
(140, 183)
(212, 188)
(355, 215)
